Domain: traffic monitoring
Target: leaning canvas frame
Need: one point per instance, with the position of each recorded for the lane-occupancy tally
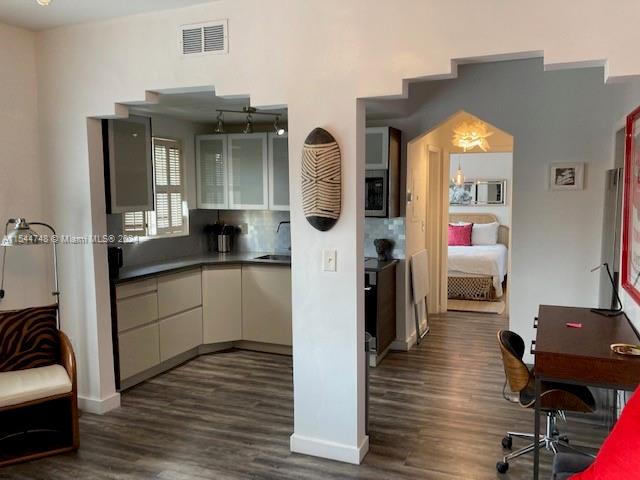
(578, 170)
(631, 212)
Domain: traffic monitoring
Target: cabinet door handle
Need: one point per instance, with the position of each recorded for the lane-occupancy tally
(535, 322)
(367, 289)
(533, 347)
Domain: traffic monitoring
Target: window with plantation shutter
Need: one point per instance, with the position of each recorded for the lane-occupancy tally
(134, 223)
(171, 214)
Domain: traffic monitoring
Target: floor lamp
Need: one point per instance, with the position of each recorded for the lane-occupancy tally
(22, 235)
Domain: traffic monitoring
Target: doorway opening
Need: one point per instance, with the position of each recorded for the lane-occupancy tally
(460, 175)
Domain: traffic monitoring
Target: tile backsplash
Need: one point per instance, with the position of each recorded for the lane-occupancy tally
(262, 234)
(160, 249)
(389, 228)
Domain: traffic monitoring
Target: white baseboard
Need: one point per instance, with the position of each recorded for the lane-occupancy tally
(99, 407)
(330, 450)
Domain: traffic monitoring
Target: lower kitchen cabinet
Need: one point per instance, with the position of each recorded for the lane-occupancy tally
(180, 333)
(266, 304)
(222, 304)
(139, 350)
(161, 318)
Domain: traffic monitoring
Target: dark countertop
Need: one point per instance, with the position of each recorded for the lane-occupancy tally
(137, 272)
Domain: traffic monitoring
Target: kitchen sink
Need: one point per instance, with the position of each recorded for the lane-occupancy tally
(278, 258)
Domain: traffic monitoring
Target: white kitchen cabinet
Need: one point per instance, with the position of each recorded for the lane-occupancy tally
(130, 164)
(377, 148)
(266, 304)
(222, 304)
(248, 171)
(136, 311)
(212, 171)
(278, 172)
(180, 333)
(179, 292)
(139, 350)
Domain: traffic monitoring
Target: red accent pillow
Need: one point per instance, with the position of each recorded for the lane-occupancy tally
(619, 456)
(460, 235)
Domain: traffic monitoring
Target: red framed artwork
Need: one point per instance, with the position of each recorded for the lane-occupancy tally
(631, 220)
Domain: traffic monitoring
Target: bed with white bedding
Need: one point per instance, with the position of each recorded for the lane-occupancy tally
(480, 261)
(478, 272)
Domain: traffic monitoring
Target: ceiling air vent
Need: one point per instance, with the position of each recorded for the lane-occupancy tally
(204, 38)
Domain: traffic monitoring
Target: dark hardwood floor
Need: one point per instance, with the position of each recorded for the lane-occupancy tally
(437, 412)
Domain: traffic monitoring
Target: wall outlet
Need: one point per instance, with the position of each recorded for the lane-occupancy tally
(329, 260)
(243, 228)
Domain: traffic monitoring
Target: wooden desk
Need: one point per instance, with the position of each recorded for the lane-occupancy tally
(581, 356)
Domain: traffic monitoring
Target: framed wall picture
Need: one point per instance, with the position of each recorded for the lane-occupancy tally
(631, 212)
(566, 176)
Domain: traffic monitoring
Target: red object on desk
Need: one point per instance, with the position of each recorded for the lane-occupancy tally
(573, 325)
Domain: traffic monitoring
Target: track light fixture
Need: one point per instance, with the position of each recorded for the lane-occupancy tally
(278, 130)
(249, 127)
(249, 112)
(220, 125)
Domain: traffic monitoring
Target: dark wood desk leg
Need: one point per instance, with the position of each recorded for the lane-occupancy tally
(536, 434)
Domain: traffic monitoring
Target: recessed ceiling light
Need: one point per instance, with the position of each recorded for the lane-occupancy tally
(44, 3)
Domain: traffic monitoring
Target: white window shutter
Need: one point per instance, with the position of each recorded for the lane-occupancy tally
(170, 216)
(134, 223)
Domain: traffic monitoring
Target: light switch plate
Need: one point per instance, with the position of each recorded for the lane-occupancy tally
(329, 260)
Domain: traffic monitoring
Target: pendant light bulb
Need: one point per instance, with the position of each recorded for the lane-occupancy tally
(459, 178)
(249, 127)
(220, 125)
(279, 131)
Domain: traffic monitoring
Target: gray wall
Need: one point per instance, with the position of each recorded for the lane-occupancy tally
(555, 116)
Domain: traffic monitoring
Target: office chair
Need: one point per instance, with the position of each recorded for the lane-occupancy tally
(555, 398)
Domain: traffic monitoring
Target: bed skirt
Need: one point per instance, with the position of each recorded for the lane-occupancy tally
(471, 288)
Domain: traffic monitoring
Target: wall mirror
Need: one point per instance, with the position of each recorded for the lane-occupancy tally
(478, 192)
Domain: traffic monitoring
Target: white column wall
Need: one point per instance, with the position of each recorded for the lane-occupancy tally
(28, 273)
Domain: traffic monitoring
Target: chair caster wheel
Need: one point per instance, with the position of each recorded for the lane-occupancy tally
(564, 438)
(507, 442)
(502, 467)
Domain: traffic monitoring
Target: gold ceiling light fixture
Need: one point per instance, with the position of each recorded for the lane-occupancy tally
(43, 3)
(469, 135)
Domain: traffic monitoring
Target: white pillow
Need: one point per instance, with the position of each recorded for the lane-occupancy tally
(485, 233)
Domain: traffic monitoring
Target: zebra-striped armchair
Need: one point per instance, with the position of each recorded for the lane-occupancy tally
(38, 391)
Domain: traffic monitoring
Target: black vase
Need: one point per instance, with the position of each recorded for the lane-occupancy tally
(383, 248)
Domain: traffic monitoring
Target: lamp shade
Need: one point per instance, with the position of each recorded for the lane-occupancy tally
(20, 235)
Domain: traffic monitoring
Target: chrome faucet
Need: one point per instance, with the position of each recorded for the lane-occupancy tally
(280, 224)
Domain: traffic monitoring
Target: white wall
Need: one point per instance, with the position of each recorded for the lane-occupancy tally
(485, 166)
(329, 54)
(28, 277)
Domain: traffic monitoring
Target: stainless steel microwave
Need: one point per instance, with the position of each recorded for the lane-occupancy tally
(376, 193)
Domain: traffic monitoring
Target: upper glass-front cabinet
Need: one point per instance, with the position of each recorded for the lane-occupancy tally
(248, 171)
(130, 164)
(212, 171)
(278, 172)
(377, 148)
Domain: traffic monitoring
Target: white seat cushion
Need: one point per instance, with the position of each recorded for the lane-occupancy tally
(23, 386)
